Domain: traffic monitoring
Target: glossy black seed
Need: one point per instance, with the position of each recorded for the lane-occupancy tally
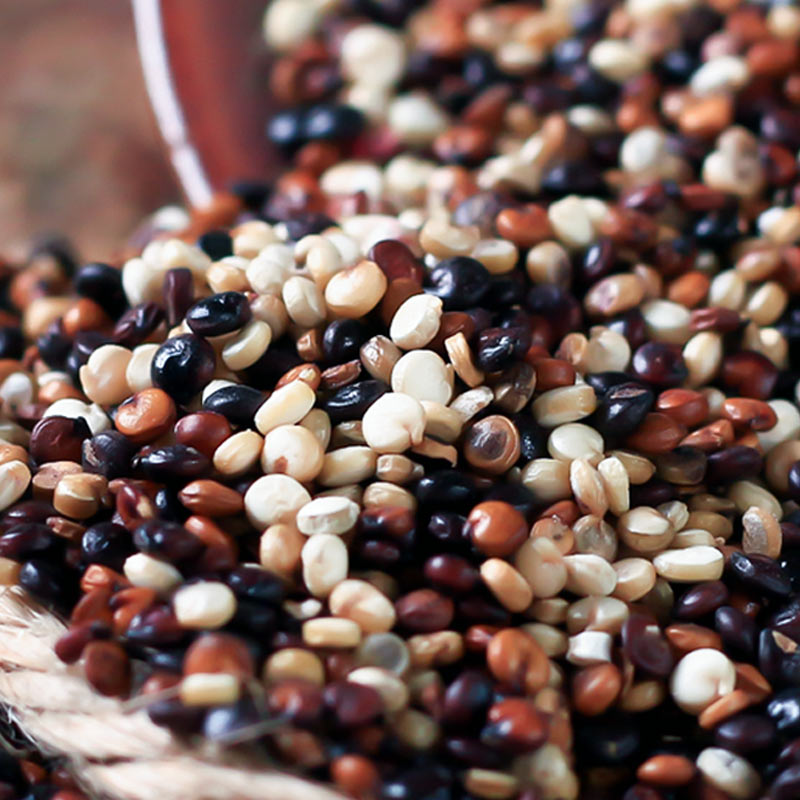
(760, 574)
(608, 741)
(157, 626)
(734, 463)
(167, 540)
(447, 529)
(54, 347)
(30, 540)
(448, 490)
(477, 610)
(574, 177)
(515, 494)
(787, 785)
(784, 710)
(429, 783)
(254, 617)
(787, 619)
(557, 306)
(106, 543)
(498, 348)
(216, 244)
(601, 382)
(738, 631)
(108, 453)
(219, 314)
(467, 699)
(793, 479)
(12, 342)
(180, 719)
(632, 326)
(178, 294)
(460, 282)
(174, 462)
(598, 260)
(480, 207)
(660, 364)
(653, 493)
(332, 122)
(770, 657)
(238, 404)
(137, 324)
(256, 584)
(473, 751)
(350, 402)
(227, 722)
(645, 646)
(286, 128)
(169, 505)
(103, 284)
(182, 366)
(622, 409)
(27, 511)
(532, 438)
(701, 600)
(48, 582)
(342, 340)
(306, 223)
(745, 733)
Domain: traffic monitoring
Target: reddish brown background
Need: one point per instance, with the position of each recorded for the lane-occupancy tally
(79, 150)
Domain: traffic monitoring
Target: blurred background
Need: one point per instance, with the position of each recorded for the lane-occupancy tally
(80, 153)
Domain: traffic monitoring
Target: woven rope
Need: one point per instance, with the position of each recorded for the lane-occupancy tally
(115, 754)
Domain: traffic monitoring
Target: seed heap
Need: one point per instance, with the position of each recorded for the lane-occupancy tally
(464, 462)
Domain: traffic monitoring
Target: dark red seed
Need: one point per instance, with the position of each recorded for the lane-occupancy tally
(701, 600)
(396, 260)
(645, 646)
(425, 611)
(352, 704)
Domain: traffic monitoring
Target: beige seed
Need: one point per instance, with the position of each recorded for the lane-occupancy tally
(639, 468)
(746, 493)
(209, 689)
(541, 563)
(247, 346)
(143, 570)
(292, 450)
(274, 498)
(547, 478)
(335, 515)
(645, 530)
(285, 406)
(393, 690)
(361, 602)
(461, 358)
(331, 632)
(442, 422)
(597, 614)
(691, 564)
(701, 677)
(416, 321)
(325, 563)
(379, 355)
(204, 606)
(616, 484)
(587, 487)
(347, 465)
(238, 454)
(729, 773)
(762, 533)
(564, 404)
(490, 784)
(635, 578)
(103, 375)
(506, 584)
(393, 423)
(293, 663)
(589, 575)
(589, 647)
(355, 291)
(424, 375)
(15, 478)
(280, 547)
(595, 536)
(576, 440)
